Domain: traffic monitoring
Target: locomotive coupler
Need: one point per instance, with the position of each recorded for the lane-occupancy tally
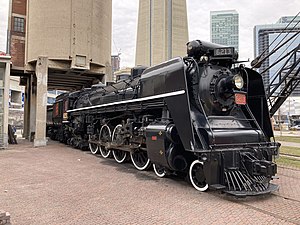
(257, 167)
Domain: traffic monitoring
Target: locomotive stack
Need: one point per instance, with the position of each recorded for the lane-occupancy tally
(199, 116)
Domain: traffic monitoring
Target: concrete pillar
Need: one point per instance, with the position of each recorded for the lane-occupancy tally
(32, 110)
(4, 95)
(41, 71)
(26, 130)
(5, 103)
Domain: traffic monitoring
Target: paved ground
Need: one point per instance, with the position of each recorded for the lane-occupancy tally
(60, 185)
(290, 144)
(287, 133)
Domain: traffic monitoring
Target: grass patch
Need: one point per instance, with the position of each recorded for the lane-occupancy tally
(287, 139)
(287, 161)
(290, 150)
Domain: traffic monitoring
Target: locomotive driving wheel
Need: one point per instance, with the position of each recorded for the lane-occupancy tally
(159, 170)
(92, 146)
(104, 136)
(119, 155)
(140, 159)
(196, 176)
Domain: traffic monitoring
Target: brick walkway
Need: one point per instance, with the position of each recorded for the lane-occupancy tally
(60, 185)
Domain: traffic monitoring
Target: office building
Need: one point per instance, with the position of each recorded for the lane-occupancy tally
(224, 28)
(115, 62)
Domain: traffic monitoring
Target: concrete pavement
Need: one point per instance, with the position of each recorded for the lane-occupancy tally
(57, 184)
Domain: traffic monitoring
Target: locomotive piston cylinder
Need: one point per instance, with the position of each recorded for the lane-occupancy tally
(163, 146)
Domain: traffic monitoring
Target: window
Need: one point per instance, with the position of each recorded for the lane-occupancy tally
(53, 92)
(50, 100)
(19, 24)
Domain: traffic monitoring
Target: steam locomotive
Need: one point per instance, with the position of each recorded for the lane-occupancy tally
(198, 116)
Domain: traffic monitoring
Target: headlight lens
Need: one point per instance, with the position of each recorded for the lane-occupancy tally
(238, 81)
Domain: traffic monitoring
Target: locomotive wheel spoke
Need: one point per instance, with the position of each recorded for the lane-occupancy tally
(159, 170)
(196, 176)
(140, 160)
(105, 136)
(93, 147)
(119, 155)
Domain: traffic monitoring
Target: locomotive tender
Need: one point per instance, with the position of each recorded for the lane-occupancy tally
(198, 116)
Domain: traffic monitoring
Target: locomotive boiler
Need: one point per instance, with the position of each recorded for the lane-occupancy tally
(199, 116)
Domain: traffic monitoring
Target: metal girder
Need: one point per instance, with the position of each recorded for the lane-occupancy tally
(284, 82)
(70, 79)
(64, 88)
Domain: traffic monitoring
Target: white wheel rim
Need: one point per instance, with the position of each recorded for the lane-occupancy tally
(101, 150)
(139, 167)
(118, 160)
(103, 153)
(157, 173)
(93, 151)
(115, 151)
(191, 178)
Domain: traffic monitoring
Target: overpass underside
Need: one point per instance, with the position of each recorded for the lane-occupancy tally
(43, 75)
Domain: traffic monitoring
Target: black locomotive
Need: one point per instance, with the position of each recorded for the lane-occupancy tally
(197, 116)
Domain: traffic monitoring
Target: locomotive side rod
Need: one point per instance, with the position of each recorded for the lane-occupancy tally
(110, 146)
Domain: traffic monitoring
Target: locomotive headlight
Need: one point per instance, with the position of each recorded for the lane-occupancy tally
(238, 81)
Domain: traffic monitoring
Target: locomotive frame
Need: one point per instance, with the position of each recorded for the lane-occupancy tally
(195, 116)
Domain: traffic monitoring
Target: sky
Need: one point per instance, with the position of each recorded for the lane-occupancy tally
(125, 15)
(3, 24)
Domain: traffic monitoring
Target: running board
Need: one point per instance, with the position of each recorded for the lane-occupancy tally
(217, 187)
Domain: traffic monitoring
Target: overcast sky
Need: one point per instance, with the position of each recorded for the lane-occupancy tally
(125, 12)
(3, 23)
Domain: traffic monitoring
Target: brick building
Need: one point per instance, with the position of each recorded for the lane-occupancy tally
(16, 34)
(16, 49)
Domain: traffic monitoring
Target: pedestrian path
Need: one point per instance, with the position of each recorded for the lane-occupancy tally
(290, 144)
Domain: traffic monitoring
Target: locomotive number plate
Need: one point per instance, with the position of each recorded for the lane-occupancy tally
(240, 99)
(223, 51)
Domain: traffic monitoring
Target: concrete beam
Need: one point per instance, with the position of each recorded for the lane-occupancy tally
(41, 101)
(60, 64)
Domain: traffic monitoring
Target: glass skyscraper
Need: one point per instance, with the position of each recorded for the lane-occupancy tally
(224, 28)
